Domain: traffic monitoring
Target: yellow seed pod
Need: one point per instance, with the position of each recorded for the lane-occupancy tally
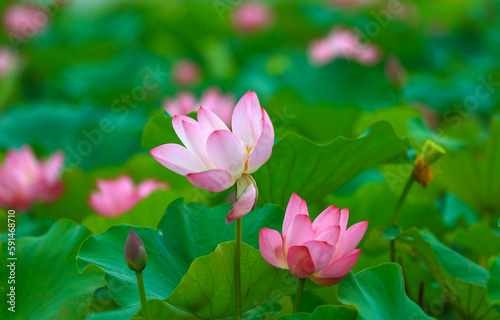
(422, 172)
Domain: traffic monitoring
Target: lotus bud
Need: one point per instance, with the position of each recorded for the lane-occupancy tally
(395, 72)
(134, 252)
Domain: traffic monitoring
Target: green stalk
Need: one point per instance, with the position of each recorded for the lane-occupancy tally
(298, 296)
(397, 214)
(237, 271)
(142, 294)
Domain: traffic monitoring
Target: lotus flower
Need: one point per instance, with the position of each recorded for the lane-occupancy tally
(115, 197)
(212, 99)
(342, 43)
(323, 251)
(214, 158)
(186, 72)
(25, 180)
(251, 16)
(23, 21)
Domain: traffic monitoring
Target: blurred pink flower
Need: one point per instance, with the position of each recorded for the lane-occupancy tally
(8, 61)
(23, 21)
(25, 180)
(251, 16)
(323, 251)
(214, 158)
(342, 43)
(186, 72)
(115, 197)
(212, 99)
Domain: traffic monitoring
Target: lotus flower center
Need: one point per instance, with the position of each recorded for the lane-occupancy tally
(249, 150)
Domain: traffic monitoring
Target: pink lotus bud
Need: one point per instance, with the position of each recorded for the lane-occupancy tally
(251, 16)
(323, 251)
(186, 72)
(24, 21)
(246, 198)
(214, 158)
(212, 99)
(115, 197)
(25, 180)
(429, 115)
(9, 61)
(134, 252)
(395, 72)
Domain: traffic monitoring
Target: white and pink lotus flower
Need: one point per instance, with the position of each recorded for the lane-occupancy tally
(345, 44)
(251, 16)
(214, 158)
(115, 197)
(25, 180)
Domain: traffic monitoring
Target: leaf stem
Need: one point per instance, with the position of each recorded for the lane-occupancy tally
(397, 214)
(298, 297)
(237, 271)
(142, 294)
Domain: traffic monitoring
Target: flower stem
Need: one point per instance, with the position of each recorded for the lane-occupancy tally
(397, 214)
(298, 296)
(237, 271)
(142, 294)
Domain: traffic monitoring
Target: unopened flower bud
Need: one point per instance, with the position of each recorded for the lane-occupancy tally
(432, 152)
(395, 72)
(134, 252)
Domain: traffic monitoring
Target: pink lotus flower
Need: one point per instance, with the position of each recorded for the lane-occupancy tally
(24, 180)
(186, 72)
(115, 197)
(343, 43)
(212, 99)
(8, 61)
(323, 251)
(214, 158)
(251, 16)
(23, 21)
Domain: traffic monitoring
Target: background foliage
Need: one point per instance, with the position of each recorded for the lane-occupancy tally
(344, 136)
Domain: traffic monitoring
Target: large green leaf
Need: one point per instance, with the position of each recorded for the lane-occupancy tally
(462, 282)
(48, 285)
(314, 171)
(379, 293)
(146, 213)
(186, 232)
(325, 312)
(479, 238)
(407, 123)
(494, 284)
(474, 175)
(207, 289)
